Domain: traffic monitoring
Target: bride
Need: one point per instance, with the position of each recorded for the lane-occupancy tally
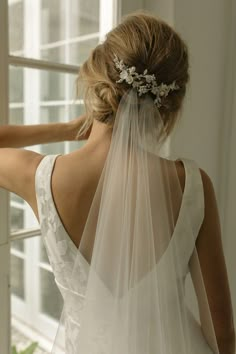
(123, 223)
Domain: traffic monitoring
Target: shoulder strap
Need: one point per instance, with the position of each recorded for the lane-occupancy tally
(194, 196)
(43, 183)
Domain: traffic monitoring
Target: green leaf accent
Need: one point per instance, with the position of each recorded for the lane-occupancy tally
(30, 349)
(13, 350)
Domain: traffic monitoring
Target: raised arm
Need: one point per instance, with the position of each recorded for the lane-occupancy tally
(18, 166)
(213, 266)
(16, 136)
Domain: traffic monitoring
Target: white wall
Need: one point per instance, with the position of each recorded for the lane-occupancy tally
(128, 6)
(202, 25)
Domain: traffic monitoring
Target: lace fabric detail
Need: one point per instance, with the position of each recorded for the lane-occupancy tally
(60, 249)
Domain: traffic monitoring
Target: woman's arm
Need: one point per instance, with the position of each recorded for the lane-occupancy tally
(18, 166)
(211, 257)
(16, 136)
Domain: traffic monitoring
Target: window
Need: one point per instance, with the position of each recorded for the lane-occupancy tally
(48, 40)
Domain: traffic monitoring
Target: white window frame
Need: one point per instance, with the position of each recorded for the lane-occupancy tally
(5, 236)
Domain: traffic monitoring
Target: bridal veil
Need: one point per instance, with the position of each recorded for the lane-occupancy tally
(135, 300)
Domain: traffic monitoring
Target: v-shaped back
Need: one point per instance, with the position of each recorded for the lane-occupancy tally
(60, 247)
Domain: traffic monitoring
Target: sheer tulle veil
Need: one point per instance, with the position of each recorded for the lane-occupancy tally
(126, 294)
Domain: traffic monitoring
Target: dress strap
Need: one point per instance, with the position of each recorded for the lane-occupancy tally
(43, 184)
(194, 196)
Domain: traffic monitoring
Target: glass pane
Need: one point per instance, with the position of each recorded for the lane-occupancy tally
(36, 302)
(52, 115)
(52, 17)
(16, 26)
(17, 219)
(55, 30)
(16, 84)
(57, 54)
(18, 245)
(84, 17)
(52, 86)
(17, 277)
(16, 115)
(80, 51)
(51, 299)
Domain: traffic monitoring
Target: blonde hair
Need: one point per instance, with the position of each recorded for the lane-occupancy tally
(143, 41)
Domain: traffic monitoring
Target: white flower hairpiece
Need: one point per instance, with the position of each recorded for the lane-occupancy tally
(143, 82)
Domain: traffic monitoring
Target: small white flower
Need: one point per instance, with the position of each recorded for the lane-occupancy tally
(132, 70)
(129, 79)
(143, 89)
(155, 90)
(124, 74)
(150, 78)
(163, 87)
(174, 86)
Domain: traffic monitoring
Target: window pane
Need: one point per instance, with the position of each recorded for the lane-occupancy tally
(52, 86)
(57, 54)
(52, 17)
(16, 198)
(16, 84)
(17, 213)
(79, 51)
(56, 30)
(16, 116)
(17, 277)
(36, 302)
(17, 219)
(51, 115)
(51, 299)
(84, 17)
(16, 26)
(18, 245)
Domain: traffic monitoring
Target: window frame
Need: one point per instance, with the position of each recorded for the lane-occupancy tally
(6, 237)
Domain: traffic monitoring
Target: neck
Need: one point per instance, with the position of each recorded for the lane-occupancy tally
(100, 133)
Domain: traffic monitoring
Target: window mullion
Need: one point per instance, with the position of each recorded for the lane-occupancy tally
(105, 22)
(42, 64)
(23, 234)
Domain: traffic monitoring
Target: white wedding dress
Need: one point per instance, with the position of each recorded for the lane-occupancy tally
(62, 251)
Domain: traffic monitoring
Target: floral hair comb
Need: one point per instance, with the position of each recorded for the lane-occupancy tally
(143, 82)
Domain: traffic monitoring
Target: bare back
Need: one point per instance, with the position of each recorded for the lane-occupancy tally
(74, 181)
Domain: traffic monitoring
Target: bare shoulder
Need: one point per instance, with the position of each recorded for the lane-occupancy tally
(17, 171)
